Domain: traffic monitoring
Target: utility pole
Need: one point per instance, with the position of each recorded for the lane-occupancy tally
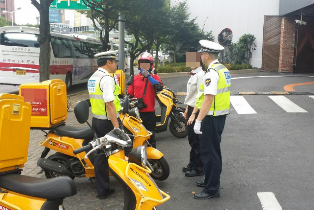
(121, 40)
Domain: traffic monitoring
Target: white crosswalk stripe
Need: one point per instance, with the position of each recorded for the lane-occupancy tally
(241, 105)
(269, 201)
(286, 104)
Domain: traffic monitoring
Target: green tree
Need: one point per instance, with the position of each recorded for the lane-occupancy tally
(105, 14)
(4, 22)
(44, 38)
(142, 20)
(241, 51)
(185, 33)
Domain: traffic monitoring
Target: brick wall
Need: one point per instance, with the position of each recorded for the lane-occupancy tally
(287, 45)
(271, 43)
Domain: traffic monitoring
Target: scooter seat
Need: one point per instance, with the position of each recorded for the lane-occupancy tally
(50, 189)
(75, 132)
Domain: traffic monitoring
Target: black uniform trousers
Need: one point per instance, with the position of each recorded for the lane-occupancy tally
(101, 166)
(194, 141)
(212, 128)
(149, 121)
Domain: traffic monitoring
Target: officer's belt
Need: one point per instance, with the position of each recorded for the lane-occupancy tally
(103, 117)
(219, 112)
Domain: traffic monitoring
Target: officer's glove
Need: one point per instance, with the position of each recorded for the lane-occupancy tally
(197, 127)
(145, 73)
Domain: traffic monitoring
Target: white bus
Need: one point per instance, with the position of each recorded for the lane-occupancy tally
(71, 57)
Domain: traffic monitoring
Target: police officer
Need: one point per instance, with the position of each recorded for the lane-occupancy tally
(195, 166)
(103, 92)
(213, 100)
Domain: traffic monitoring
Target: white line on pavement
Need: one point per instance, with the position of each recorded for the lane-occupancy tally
(286, 104)
(311, 97)
(268, 201)
(241, 105)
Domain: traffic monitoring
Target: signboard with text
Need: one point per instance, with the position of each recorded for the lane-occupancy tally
(69, 4)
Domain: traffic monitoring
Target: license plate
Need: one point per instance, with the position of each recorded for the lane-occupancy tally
(20, 72)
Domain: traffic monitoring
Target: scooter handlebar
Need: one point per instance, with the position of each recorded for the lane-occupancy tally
(82, 149)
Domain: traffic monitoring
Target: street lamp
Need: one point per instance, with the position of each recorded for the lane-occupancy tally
(12, 13)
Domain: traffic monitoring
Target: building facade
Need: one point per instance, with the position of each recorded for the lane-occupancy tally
(7, 5)
(241, 16)
(289, 38)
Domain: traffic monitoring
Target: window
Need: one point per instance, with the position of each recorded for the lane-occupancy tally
(2, 2)
(94, 48)
(19, 39)
(2, 15)
(81, 50)
(2, 8)
(62, 48)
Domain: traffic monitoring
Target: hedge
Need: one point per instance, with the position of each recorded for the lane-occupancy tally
(181, 67)
(173, 67)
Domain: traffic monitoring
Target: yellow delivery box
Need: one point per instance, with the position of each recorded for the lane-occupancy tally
(120, 75)
(48, 100)
(15, 119)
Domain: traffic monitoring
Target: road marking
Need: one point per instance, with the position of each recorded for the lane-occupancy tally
(311, 97)
(269, 201)
(286, 104)
(290, 87)
(250, 77)
(241, 105)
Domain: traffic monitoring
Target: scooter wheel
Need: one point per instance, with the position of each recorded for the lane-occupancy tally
(61, 158)
(180, 129)
(161, 169)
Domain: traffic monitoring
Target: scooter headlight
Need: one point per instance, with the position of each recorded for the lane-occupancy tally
(139, 185)
(138, 156)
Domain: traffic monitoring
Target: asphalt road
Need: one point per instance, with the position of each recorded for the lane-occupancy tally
(269, 151)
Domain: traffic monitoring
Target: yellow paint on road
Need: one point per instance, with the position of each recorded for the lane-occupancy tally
(290, 87)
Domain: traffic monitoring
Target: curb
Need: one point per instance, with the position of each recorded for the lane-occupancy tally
(260, 93)
(186, 74)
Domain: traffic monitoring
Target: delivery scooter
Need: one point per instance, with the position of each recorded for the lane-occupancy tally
(170, 110)
(140, 190)
(65, 139)
(19, 192)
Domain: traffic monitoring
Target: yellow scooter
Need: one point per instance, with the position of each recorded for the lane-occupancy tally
(65, 139)
(170, 110)
(140, 190)
(19, 192)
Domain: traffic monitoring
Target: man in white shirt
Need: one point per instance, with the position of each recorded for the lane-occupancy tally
(195, 167)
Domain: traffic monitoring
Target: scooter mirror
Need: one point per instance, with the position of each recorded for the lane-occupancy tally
(130, 81)
(126, 104)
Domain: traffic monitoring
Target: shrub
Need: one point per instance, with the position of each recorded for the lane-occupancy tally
(227, 65)
(173, 67)
(240, 66)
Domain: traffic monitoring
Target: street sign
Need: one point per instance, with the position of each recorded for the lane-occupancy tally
(69, 4)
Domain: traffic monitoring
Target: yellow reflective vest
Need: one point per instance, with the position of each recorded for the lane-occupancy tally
(221, 101)
(96, 95)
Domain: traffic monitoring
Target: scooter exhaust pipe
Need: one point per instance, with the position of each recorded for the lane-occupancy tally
(54, 166)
